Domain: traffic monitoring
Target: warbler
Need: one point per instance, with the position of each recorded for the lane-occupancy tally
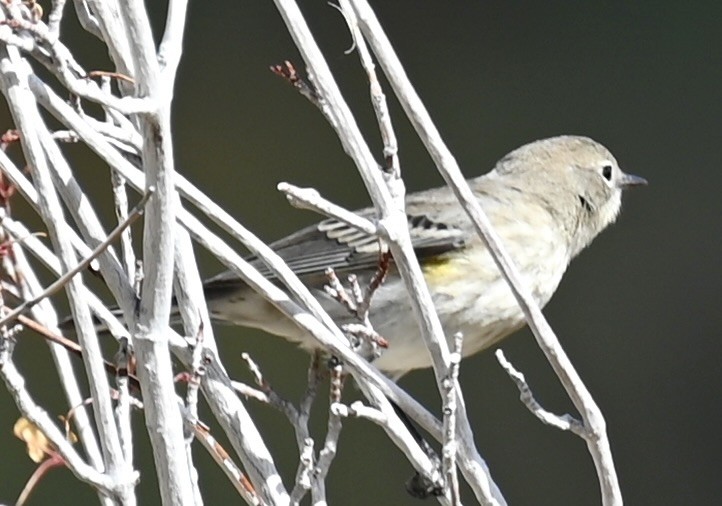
(547, 200)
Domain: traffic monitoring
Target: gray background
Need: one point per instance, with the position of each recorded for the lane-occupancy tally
(638, 313)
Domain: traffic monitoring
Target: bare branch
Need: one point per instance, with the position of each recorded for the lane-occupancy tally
(561, 422)
(28, 121)
(15, 384)
(378, 99)
(65, 278)
(449, 448)
(238, 479)
(55, 16)
(449, 169)
(308, 198)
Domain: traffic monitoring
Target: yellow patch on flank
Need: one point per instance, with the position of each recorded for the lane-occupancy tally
(441, 271)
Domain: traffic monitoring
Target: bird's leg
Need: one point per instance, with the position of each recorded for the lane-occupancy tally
(419, 486)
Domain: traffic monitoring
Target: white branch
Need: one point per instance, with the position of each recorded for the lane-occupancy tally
(45, 314)
(378, 98)
(449, 169)
(393, 224)
(308, 198)
(155, 371)
(113, 486)
(28, 120)
(561, 422)
(449, 447)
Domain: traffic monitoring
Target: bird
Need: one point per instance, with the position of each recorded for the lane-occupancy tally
(547, 200)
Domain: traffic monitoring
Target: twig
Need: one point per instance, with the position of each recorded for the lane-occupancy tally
(314, 376)
(384, 415)
(365, 340)
(284, 406)
(122, 361)
(449, 169)
(561, 422)
(15, 385)
(304, 473)
(288, 71)
(363, 333)
(171, 45)
(62, 64)
(198, 371)
(54, 460)
(238, 479)
(120, 198)
(250, 392)
(308, 476)
(336, 290)
(334, 426)
(308, 198)
(55, 16)
(449, 448)
(392, 167)
(87, 18)
(358, 409)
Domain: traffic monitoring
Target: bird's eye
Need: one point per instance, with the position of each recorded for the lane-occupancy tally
(607, 172)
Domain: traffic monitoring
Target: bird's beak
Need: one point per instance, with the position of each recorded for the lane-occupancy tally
(629, 180)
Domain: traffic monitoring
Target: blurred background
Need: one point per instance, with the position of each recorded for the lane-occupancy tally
(639, 312)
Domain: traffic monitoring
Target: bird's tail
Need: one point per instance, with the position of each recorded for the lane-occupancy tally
(67, 324)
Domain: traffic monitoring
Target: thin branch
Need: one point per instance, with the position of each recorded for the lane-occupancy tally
(308, 198)
(384, 414)
(87, 20)
(55, 16)
(288, 71)
(561, 422)
(250, 393)
(334, 426)
(15, 385)
(284, 406)
(62, 64)
(449, 447)
(197, 372)
(122, 407)
(238, 479)
(27, 284)
(378, 99)
(171, 46)
(449, 169)
(304, 473)
(28, 120)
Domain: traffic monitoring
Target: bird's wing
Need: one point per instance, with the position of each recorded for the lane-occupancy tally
(332, 243)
